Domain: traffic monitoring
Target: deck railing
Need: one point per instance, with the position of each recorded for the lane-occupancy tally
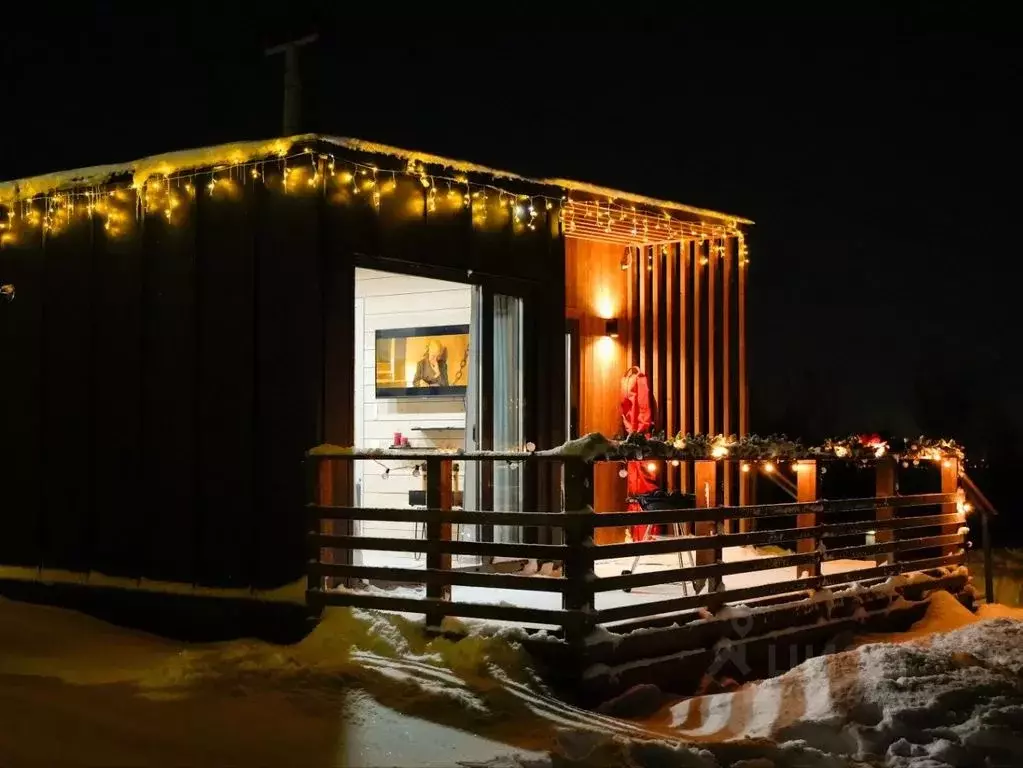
(903, 544)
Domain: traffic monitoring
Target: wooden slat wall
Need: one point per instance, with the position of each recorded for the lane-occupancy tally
(686, 311)
(681, 311)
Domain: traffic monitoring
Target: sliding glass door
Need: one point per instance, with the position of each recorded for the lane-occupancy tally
(507, 409)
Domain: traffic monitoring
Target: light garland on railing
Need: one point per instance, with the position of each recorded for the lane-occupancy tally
(774, 450)
(341, 179)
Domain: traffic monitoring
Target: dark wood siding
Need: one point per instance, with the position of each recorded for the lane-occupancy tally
(161, 384)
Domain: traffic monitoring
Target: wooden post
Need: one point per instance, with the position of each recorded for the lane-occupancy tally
(579, 575)
(745, 481)
(697, 332)
(438, 497)
(645, 312)
(806, 490)
(949, 484)
(656, 362)
(632, 302)
(684, 348)
(314, 583)
(325, 476)
(885, 487)
(726, 364)
(989, 565)
(706, 476)
(672, 348)
(712, 400)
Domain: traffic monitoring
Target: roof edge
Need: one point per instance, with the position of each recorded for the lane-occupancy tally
(244, 151)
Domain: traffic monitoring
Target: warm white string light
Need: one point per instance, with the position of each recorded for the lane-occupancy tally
(588, 219)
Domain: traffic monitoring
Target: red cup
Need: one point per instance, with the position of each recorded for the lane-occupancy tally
(397, 439)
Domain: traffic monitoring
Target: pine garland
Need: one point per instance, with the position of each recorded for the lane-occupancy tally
(854, 448)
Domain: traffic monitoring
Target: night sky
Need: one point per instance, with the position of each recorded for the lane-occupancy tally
(877, 154)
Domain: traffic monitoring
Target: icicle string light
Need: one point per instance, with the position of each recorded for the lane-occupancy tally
(310, 170)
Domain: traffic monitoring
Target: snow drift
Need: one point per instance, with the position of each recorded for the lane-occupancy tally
(953, 698)
(368, 689)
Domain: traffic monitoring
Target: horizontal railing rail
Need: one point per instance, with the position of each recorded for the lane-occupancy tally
(444, 546)
(720, 513)
(720, 598)
(574, 578)
(639, 517)
(456, 516)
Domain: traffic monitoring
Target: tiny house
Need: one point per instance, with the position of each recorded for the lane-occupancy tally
(187, 325)
(322, 363)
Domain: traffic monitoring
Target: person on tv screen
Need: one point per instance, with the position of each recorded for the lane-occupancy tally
(432, 369)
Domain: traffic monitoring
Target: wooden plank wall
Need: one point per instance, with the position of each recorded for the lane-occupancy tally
(686, 307)
(161, 384)
(598, 289)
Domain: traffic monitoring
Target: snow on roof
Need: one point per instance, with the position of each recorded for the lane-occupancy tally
(246, 151)
(567, 184)
(142, 169)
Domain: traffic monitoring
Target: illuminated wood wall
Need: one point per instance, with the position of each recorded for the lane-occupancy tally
(688, 331)
(682, 318)
(595, 291)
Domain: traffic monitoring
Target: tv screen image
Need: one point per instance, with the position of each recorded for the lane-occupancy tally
(422, 362)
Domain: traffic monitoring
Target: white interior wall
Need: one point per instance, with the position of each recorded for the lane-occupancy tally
(389, 300)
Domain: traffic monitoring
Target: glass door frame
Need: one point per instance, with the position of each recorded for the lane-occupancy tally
(540, 310)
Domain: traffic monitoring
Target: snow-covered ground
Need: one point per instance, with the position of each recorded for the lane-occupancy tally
(367, 689)
(948, 693)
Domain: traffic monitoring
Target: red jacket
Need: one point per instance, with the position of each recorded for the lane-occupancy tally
(636, 406)
(638, 417)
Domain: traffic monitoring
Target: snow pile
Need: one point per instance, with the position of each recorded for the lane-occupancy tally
(368, 689)
(943, 700)
(588, 447)
(120, 697)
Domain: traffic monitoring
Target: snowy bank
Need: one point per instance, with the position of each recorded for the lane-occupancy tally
(367, 689)
(952, 698)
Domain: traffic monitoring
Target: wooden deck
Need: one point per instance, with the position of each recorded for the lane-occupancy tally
(584, 592)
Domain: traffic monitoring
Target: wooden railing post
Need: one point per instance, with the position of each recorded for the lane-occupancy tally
(885, 488)
(949, 484)
(989, 565)
(325, 497)
(438, 497)
(806, 491)
(579, 574)
(706, 482)
(314, 583)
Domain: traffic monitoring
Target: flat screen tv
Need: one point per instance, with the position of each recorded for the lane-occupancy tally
(431, 361)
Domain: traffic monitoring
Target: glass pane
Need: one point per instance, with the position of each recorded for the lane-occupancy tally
(507, 410)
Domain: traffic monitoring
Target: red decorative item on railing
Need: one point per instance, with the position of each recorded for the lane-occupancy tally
(636, 404)
(638, 419)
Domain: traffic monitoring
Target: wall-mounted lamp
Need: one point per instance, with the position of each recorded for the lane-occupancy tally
(611, 327)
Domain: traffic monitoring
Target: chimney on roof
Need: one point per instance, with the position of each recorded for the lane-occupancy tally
(292, 81)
